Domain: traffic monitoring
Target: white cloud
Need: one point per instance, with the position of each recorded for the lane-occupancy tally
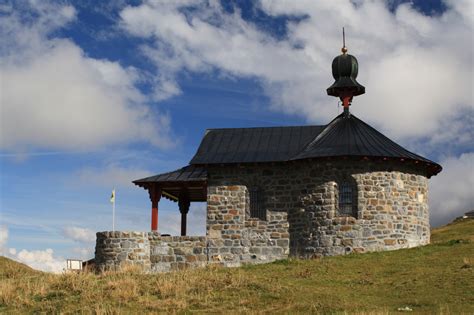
(417, 69)
(37, 259)
(79, 234)
(112, 175)
(40, 259)
(62, 98)
(3, 238)
(451, 191)
(197, 45)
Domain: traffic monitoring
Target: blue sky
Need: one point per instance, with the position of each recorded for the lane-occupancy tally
(97, 94)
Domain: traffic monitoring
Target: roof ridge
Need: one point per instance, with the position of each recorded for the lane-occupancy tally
(319, 136)
(293, 126)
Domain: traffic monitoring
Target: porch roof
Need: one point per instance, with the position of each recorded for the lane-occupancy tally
(192, 178)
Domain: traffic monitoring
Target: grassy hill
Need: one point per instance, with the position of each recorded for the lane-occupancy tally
(435, 279)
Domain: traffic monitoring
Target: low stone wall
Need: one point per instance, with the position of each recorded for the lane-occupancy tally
(169, 253)
(156, 253)
(115, 249)
(256, 242)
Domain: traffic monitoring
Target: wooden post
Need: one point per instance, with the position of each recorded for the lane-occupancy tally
(155, 196)
(183, 223)
(184, 204)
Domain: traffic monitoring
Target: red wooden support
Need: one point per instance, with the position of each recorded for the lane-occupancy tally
(155, 196)
(346, 98)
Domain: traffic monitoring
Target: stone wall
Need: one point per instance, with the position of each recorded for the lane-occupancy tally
(392, 211)
(115, 249)
(169, 253)
(234, 237)
(302, 196)
(149, 250)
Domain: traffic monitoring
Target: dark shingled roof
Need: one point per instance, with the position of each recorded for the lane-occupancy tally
(345, 136)
(249, 145)
(194, 178)
(190, 173)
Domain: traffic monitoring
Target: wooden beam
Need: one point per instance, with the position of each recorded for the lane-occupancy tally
(170, 196)
(184, 204)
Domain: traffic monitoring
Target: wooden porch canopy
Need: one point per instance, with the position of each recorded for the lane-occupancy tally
(183, 185)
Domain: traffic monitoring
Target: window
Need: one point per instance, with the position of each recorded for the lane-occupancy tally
(257, 207)
(347, 199)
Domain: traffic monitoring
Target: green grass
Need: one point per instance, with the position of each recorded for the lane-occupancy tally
(434, 279)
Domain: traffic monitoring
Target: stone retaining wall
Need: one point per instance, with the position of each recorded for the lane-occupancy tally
(158, 253)
(150, 250)
(115, 249)
(169, 253)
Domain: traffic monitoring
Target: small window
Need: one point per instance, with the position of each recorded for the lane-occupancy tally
(347, 199)
(257, 207)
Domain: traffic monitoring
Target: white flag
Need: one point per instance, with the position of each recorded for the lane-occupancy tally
(112, 198)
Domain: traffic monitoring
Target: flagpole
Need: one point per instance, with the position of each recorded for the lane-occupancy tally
(113, 216)
(112, 200)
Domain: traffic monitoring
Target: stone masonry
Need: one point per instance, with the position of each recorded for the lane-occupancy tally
(302, 217)
(150, 250)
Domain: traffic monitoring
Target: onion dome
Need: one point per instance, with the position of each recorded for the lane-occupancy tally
(344, 70)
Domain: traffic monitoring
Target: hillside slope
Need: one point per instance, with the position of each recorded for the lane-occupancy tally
(435, 279)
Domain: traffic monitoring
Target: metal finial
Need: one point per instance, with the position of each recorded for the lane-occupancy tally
(344, 48)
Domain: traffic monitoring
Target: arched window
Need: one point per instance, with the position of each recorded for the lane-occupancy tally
(256, 204)
(347, 199)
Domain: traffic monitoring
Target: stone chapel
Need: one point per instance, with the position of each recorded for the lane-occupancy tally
(275, 192)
